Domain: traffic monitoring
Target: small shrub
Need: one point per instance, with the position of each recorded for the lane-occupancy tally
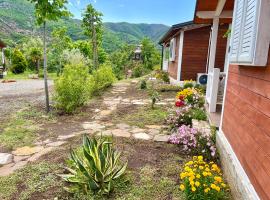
(73, 88)
(154, 96)
(202, 180)
(19, 63)
(138, 71)
(94, 168)
(189, 84)
(167, 88)
(104, 77)
(184, 116)
(164, 76)
(143, 85)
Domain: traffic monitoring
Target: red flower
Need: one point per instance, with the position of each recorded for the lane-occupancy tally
(181, 97)
(179, 103)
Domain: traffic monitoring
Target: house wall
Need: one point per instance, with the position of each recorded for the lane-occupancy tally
(246, 122)
(195, 51)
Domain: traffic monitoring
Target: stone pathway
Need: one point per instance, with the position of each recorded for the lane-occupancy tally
(24, 155)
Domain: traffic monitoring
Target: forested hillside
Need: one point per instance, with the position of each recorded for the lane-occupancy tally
(17, 20)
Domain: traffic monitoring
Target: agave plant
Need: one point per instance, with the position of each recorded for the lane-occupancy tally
(94, 168)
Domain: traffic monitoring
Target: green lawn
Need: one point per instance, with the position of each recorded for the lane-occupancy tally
(26, 74)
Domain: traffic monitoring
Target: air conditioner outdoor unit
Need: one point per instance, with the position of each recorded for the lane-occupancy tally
(202, 78)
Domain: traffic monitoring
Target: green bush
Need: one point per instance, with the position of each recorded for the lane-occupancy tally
(164, 76)
(138, 71)
(19, 63)
(94, 168)
(143, 85)
(199, 114)
(73, 88)
(103, 76)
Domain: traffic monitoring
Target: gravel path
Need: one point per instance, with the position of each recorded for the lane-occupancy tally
(14, 96)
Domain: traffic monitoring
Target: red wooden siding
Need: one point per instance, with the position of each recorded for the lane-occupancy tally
(246, 122)
(195, 51)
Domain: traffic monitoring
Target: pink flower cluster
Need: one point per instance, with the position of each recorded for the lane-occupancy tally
(185, 136)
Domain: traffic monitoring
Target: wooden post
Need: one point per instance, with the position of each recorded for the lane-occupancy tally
(213, 45)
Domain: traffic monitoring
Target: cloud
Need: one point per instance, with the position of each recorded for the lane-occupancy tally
(78, 2)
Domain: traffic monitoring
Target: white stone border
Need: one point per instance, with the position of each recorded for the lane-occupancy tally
(176, 82)
(240, 185)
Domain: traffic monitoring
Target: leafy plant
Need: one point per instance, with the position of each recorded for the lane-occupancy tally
(138, 71)
(154, 95)
(103, 76)
(202, 180)
(94, 168)
(164, 76)
(73, 88)
(143, 84)
(19, 63)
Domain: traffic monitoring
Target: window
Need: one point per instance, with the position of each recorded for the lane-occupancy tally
(172, 49)
(250, 32)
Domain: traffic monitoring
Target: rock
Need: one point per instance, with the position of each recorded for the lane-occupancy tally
(6, 170)
(5, 158)
(161, 103)
(65, 137)
(142, 136)
(56, 144)
(96, 110)
(105, 133)
(41, 153)
(122, 126)
(20, 158)
(137, 130)
(93, 126)
(105, 112)
(121, 133)
(153, 131)
(153, 127)
(33, 76)
(134, 81)
(27, 151)
(19, 165)
(161, 138)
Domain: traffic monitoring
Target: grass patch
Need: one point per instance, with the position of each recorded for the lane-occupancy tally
(144, 116)
(20, 129)
(25, 76)
(32, 179)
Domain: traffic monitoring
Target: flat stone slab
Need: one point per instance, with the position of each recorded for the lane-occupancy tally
(105, 133)
(65, 137)
(122, 126)
(36, 156)
(10, 168)
(5, 158)
(153, 131)
(104, 113)
(153, 126)
(142, 136)
(161, 138)
(93, 126)
(20, 158)
(27, 151)
(137, 130)
(121, 133)
(56, 144)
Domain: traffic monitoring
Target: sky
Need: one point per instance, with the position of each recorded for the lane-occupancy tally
(166, 12)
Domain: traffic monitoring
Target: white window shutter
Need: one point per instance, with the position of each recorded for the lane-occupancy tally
(248, 32)
(236, 30)
(172, 49)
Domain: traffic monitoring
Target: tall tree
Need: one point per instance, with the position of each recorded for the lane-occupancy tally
(60, 42)
(48, 10)
(92, 24)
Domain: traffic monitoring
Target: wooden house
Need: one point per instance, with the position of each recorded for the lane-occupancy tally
(186, 47)
(243, 138)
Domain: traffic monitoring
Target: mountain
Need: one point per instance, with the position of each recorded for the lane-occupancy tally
(17, 20)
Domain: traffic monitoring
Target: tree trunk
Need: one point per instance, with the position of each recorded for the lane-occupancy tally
(38, 64)
(94, 44)
(45, 69)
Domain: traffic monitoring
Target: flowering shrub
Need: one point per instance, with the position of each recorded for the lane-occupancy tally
(202, 180)
(184, 116)
(195, 142)
(189, 83)
(189, 96)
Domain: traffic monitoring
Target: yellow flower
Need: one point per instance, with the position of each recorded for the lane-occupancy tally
(223, 185)
(206, 190)
(191, 183)
(200, 158)
(201, 167)
(198, 176)
(197, 183)
(193, 189)
(205, 173)
(213, 186)
(182, 187)
(218, 179)
(207, 169)
(217, 188)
